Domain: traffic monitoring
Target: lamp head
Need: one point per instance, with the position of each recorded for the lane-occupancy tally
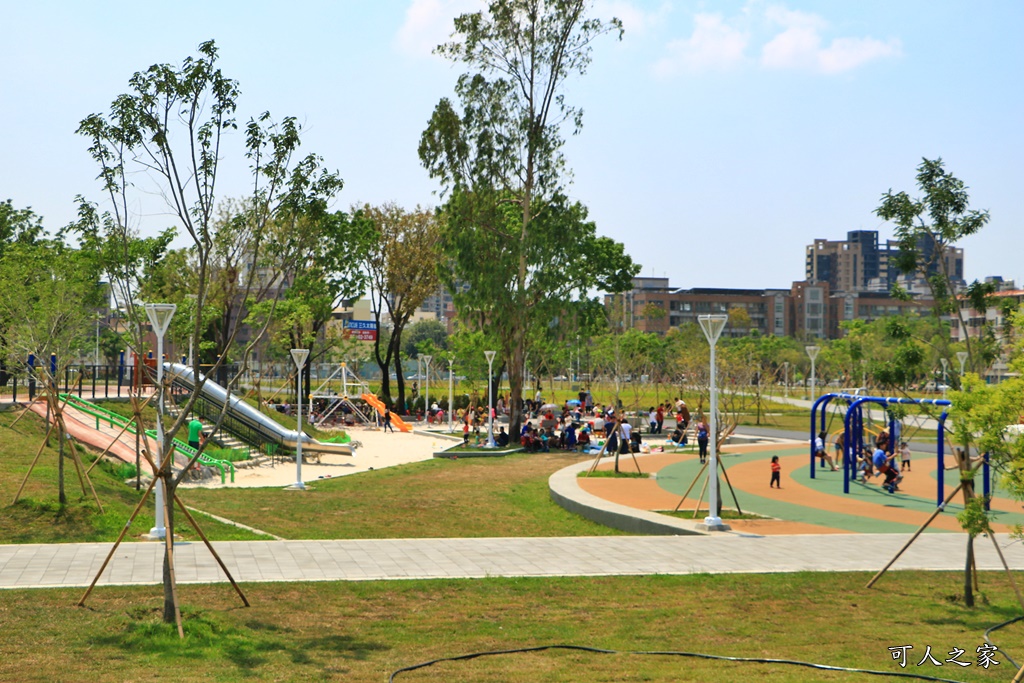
(160, 317)
(712, 326)
(299, 356)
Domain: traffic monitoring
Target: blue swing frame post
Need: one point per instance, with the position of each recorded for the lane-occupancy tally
(853, 423)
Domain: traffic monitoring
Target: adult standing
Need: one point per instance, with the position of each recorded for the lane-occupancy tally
(659, 416)
(703, 433)
(195, 431)
(652, 416)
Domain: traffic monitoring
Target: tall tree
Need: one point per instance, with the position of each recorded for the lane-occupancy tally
(927, 227)
(171, 124)
(403, 269)
(48, 293)
(525, 251)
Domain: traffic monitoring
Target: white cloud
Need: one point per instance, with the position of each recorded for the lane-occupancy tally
(713, 45)
(428, 23)
(788, 39)
(844, 54)
(635, 20)
(799, 45)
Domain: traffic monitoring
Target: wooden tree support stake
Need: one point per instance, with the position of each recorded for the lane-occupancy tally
(913, 538)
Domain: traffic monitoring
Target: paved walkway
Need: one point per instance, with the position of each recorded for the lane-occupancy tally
(75, 564)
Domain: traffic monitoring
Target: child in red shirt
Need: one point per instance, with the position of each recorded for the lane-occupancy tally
(776, 473)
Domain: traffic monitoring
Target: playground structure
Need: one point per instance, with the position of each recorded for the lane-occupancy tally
(245, 420)
(853, 433)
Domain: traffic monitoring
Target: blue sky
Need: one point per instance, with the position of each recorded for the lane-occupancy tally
(719, 138)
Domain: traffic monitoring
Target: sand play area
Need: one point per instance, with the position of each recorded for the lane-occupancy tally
(378, 450)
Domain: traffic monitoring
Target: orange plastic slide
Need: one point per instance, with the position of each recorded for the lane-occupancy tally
(396, 422)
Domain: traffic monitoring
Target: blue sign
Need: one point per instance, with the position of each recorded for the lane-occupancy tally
(360, 325)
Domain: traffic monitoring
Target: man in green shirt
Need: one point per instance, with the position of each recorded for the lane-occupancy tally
(195, 429)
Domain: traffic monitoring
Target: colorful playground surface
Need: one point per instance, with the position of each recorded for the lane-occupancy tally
(803, 505)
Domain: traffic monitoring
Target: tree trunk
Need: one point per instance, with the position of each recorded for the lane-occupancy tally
(61, 495)
(399, 383)
(169, 612)
(515, 380)
(968, 575)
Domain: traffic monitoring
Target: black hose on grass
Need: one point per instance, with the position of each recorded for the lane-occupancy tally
(700, 655)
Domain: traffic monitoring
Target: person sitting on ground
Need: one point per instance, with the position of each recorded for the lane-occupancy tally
(583, 441)
(501, 440)
(819, 450)
(542, 441)
(635, 441)
(526, 437)
(677, 437)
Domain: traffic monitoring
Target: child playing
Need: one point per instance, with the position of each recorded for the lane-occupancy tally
(776, 473)
(905, 455)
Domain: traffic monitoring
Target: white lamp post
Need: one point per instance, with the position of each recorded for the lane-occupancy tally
(962, 357)
(712, 325)
(426, 387)
(160, 318)
(299, 356)
(785, 389)
(812, 351)
(945, 367)
(451, 394)
(490, 413)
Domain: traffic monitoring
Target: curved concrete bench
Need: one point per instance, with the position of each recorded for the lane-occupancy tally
(565, 491)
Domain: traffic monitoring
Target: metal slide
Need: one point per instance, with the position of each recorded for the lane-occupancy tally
(267, 429)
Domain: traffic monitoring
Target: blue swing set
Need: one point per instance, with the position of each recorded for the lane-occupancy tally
(853, 434)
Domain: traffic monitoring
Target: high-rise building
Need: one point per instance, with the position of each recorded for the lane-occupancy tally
(849, 265)
(860, 264)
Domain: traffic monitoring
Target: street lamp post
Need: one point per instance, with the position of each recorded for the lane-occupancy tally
(712, 325)
(299, 357)
(490, 411)
(451, 394)
(945, 367)
(426, 387)
(962, 357)
(785, 390)
(160, 318)
(812, 351)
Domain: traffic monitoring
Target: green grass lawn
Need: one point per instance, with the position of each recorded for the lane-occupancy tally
(363, 631)
(38, 518)
(439, 498)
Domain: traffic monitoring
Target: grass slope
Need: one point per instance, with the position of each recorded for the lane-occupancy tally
(363, 631)
(440, 498)
(38, 517)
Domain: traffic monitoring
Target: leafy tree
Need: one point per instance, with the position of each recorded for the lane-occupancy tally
(927, 227)
(171, 124)
(48, 293)
(402, 263)
(422, 331)
(509, 230)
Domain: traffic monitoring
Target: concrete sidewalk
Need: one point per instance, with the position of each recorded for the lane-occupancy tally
(73, 565)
